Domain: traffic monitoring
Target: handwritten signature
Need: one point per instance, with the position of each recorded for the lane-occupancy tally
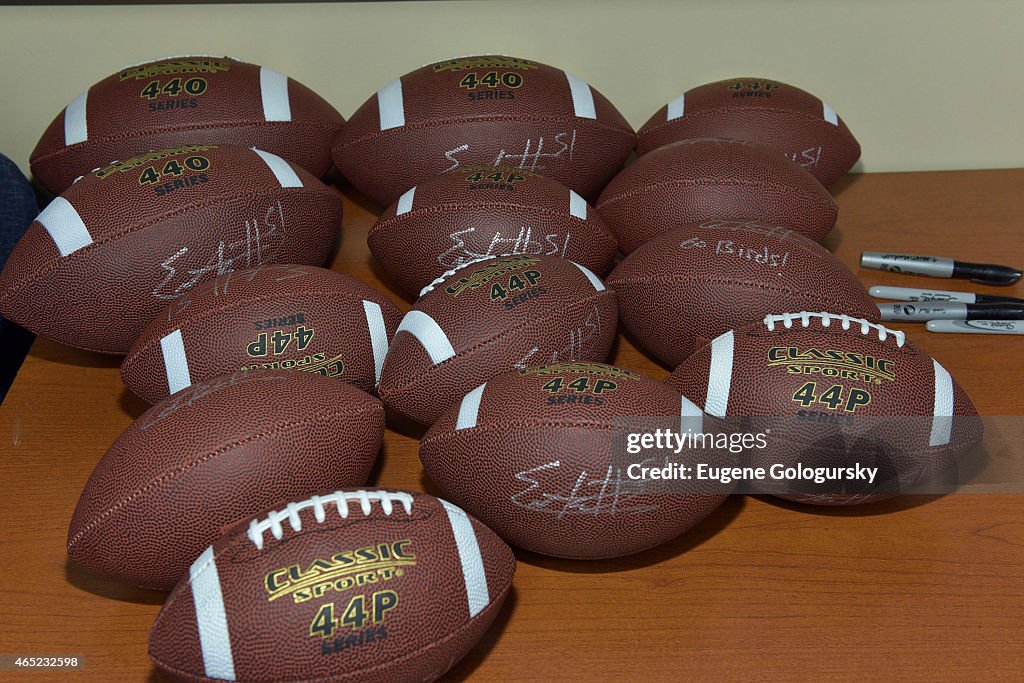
(254, 247)
(579, 338)
(532, 156)
(551, 244)
(604, 492)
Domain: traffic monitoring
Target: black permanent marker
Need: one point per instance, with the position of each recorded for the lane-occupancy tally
(908, 311)
(977, 326)
(936, 266)
(914, 294)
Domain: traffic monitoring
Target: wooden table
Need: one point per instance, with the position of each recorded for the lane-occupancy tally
(919, 588)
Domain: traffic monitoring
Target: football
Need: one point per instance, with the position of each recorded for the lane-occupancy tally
(187, 100)
(486, 109)
(833, 391)
(485, 211)
(760, 110)
(685, 287)
(206, 456)
(707, 179)
(353, 585)
(490, 317)
(536, 454)
(278, 316)
(125, 241)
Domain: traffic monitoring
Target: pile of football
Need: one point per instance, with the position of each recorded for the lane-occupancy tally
(197, 246)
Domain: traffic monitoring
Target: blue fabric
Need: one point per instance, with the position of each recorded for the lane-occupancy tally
(17, 206)
(17, 209)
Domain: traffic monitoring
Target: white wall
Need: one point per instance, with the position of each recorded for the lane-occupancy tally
(923, 84)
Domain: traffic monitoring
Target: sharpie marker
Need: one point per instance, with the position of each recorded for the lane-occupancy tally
(976, 326)
(914, 294)
(936, 266)
(925, 311)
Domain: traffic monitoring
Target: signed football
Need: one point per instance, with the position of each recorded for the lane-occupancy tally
(126, 240)
(536, 454)
(706, 179)
(687, 286)
(489, 317)
(485, 211)
(834, 391)
(211, 454)
(353, 585)
(276, 316)
(187, 100)
(486, 109)
(760, 110)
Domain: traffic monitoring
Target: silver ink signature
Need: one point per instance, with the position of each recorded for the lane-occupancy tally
(579, 339)
(524, 242)
(604, 492)
(255, 247)
(532, 156)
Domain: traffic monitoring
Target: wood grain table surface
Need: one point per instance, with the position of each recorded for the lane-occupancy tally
(918, 588)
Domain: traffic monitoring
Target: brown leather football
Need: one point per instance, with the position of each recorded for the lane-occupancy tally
(705, 179)
(187, 100)
(207, 456)
(485, 211)
(490, 317)
(486, 109)
(277, 316)
(834, 391)
(126, 240)
(536, 454)
(687, 286)
(761, 110)
(352, 585)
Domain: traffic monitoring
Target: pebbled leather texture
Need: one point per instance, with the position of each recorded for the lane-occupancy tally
(761, 110)
(695, 180)
(687, 286)
(278, 316)
(425, 631)
(125, 119)
(484, 211)
(217, 209)
(543, 464)
(546, 310)
(453, 117)
(215, 452)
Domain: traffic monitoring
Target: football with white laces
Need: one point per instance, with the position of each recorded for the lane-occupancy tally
(836, 392)
(354, 585)
(489, 317)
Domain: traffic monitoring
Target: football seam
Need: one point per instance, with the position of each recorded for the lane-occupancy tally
(530, 422)
(665, 278)
(776, 111)
(320, 124)
(133, 357)
(445, 207)
(786, 188)
(493, 604)
(596, 296)
(176, 472)
(96, 244)
(376, 135)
